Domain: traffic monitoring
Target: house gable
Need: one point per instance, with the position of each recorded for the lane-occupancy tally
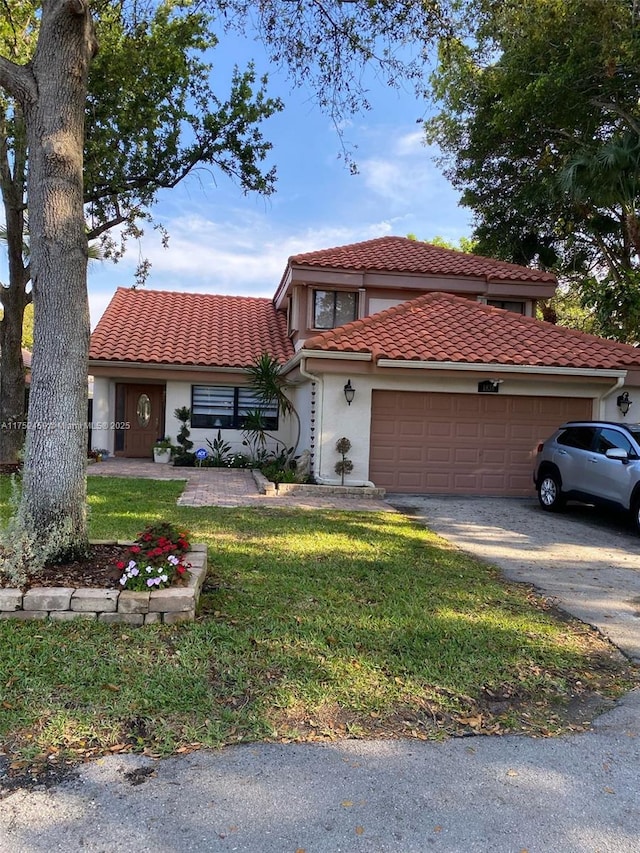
(324, 289)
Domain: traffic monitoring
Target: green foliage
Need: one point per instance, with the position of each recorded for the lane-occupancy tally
(344, 466)
(220, 450)
(153, 117)
(266, 379)
(27, 326)
(182, 455)
(163, 444)
(278, 471)
(540, 128)
(464, 244)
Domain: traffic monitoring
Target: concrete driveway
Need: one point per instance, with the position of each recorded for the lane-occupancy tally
(584, 559)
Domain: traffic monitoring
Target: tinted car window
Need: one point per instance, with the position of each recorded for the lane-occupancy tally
(581, 437)
(635, 432)
(609, 438)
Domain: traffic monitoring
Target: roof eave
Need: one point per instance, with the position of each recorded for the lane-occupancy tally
(497, 367)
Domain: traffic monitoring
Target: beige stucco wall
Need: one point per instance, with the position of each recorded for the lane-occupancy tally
(334, 418)
(338, 419)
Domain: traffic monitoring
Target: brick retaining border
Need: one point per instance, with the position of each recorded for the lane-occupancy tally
(61, 604)
(272, 490)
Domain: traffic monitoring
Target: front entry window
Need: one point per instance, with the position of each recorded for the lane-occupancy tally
(143, 411)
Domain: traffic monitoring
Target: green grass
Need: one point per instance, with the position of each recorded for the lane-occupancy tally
(313, 624)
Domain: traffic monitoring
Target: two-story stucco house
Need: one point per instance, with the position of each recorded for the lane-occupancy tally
(453, 381)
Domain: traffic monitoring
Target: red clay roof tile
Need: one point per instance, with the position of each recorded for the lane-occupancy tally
(399, 254)
(441, 327)
(165, 327)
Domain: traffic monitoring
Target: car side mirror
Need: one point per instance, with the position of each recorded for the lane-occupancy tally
(617, 453)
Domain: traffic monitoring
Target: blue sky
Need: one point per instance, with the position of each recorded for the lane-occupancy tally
(224, 242)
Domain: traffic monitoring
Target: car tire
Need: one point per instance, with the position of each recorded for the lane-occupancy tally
(635, 515)
(550, 493)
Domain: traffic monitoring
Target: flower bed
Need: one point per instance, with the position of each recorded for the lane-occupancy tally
(132, 607)
(160, 576)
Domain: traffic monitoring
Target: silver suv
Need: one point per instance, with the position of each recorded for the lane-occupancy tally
(594, 462)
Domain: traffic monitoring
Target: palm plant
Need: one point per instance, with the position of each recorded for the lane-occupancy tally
(269, 384)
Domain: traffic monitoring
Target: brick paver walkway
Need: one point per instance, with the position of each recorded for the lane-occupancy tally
(226, 487)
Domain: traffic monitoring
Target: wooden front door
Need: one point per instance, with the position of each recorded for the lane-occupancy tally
(144, 413)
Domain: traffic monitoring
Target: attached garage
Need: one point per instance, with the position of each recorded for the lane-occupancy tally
(474, 444)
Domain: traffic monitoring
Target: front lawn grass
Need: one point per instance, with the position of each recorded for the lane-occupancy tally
(313, 625)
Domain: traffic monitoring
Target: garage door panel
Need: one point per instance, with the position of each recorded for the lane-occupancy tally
(438, 454)
(438, 429)
(462, 443)
(496, 432)
(465, 429)
(466, 456)
(494, 457)
(410, 428)
(410, 454)
(409, 482)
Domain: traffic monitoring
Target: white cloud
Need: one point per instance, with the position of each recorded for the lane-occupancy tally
(245, 257)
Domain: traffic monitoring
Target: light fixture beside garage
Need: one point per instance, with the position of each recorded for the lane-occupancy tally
(624, 403)
(349, 392)
(489, 386)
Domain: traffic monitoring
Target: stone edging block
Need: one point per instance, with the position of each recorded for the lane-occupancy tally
(63, 604)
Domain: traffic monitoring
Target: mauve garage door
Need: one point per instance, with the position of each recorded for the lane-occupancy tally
(473, 444)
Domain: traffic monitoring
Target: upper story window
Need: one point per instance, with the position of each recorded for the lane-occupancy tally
(333, 308)
(507, 305)
(223, 406)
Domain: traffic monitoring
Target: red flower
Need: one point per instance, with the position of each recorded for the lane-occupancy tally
(180, 569)
(120, 565)
(135, 549)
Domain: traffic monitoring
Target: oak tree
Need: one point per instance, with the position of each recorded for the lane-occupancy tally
(327, 44)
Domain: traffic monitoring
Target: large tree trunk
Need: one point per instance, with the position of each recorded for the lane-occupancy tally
(52, 91)
(14, 296)
(12, 383)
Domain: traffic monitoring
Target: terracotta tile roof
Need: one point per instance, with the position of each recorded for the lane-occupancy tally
(399, 254)
(165, 327)
(440, 327)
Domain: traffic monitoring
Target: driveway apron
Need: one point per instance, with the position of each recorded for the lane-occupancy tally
(587, 562)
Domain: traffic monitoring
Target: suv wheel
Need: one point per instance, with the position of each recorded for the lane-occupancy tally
(635, 514)
(549, 493)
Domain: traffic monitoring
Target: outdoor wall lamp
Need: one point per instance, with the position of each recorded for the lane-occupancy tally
(624, 403)
(349, 392)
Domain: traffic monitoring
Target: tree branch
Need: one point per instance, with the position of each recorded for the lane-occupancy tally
(105, 226)
(18, 81)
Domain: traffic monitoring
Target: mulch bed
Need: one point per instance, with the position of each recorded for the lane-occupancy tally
(96, 571)
(10, 467)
